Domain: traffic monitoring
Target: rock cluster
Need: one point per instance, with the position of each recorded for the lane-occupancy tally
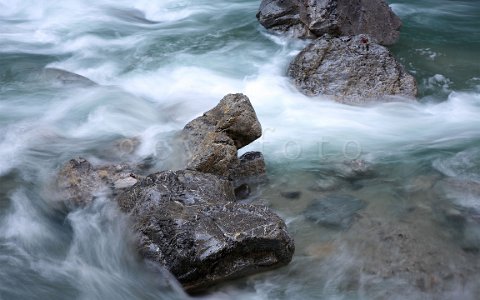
(335, 210)
(345, 59)
(189, 221)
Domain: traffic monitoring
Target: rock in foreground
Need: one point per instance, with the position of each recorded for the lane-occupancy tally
(353, 70)
(189, 223)
(314, 18)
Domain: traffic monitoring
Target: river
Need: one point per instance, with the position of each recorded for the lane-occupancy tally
(159, 64)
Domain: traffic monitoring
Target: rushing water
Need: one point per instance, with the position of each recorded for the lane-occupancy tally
(161, 63)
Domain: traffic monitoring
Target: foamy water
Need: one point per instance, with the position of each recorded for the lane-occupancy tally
(158, 64)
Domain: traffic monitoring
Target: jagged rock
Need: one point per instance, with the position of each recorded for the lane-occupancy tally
(79, 182)
(214, 138)
(189, 223)
(335, 210)
(462, 210)
(353, 70)
(314, 18)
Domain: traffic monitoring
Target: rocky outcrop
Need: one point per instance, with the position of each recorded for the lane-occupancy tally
(314, 18)
(354, 70)
(214, 138)
(189, 223)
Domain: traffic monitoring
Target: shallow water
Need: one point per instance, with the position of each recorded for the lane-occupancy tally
(158, 64)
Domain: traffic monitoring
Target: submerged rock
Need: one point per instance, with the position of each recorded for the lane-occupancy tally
(189, 223)
(411, 251)
(62, 77)
(214, 138)
(354, 70)
(462, 211)
(314, 18)
(291, 194)
(463, 194)
(79, 182)
(355, 169)
(334, 210)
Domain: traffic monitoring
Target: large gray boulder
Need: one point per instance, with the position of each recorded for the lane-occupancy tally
(188, 221)
(214, 138)
(353, 70)
(314, 18)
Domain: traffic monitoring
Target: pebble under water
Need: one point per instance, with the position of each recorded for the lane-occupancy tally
(409, 227)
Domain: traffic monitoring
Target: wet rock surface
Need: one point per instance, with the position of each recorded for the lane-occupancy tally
(314, 18)
(461, 212)
(334, 210)
(189, 222)
(79, 182)
(354, 70)
(214, 138)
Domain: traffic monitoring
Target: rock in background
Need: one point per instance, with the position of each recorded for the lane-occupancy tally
(353, 70)
(345, 61)
(314, 18)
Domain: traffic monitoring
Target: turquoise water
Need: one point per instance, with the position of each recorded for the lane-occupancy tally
(158, 64)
